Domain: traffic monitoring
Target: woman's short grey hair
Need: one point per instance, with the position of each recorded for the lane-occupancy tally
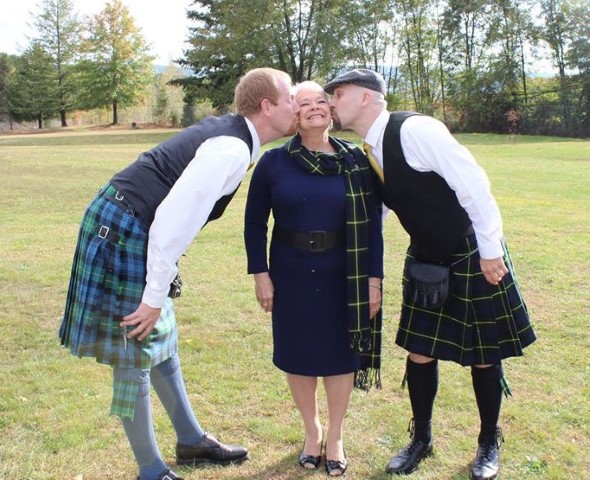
(308, 85)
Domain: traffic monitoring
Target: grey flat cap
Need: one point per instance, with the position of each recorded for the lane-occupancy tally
(359, 76)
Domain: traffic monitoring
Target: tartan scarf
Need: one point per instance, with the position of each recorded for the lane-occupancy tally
(348, 160)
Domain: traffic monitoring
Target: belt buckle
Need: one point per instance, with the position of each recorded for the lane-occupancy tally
(317, 241)
(103, 231)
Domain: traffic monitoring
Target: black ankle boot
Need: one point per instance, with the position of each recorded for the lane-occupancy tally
(487, 459)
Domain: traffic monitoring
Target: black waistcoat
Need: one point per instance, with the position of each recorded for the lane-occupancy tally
(426, 206)
(148, 180)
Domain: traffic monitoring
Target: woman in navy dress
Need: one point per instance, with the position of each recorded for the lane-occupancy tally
(323, 286)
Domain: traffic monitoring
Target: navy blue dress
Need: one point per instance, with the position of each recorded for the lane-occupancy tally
(309, 308)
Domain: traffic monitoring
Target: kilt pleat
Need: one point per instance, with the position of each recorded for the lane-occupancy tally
(480, 324)
(107, 283)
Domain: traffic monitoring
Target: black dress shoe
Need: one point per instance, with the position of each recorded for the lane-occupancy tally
(209, 450)
(407, 460)
(169, 475)
(487, 459)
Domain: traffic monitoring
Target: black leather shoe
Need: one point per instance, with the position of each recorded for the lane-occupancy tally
(487, 459)
(407, 460)
(169, 475)
(209, 450)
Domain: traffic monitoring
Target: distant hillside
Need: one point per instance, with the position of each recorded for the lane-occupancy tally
(159, 69)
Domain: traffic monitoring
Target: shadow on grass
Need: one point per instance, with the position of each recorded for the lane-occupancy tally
(288, 469)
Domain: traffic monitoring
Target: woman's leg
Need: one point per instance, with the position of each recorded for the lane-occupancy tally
(338, 389)
(304, 393)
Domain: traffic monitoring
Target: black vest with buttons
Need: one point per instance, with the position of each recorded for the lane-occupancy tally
(148, 180)
(426, 206)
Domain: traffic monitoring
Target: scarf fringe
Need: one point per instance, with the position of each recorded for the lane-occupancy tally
(365, 379)
(361, 341)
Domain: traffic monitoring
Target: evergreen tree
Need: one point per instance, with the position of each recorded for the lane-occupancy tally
(5, 72)
(58, 32)
(33, 91)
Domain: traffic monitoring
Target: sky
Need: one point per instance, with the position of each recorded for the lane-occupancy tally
(163, 24)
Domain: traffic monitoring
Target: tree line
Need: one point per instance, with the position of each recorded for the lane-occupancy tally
(70, 65)
(470, 63)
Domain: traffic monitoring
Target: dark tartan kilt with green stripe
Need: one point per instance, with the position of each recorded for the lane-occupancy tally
(481, 324)
(107, 283)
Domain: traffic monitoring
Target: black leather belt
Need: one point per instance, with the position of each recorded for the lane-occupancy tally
(315, 241)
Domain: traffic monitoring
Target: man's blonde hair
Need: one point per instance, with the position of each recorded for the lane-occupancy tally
(255, 86)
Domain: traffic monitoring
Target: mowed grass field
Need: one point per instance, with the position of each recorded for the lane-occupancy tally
(54, 421)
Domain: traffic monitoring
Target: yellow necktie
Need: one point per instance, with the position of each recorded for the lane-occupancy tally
(373, 161)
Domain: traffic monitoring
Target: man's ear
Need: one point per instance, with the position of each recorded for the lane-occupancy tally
(366, 98)
(265, 106)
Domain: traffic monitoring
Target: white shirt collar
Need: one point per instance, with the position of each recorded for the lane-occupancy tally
(255, 140)
(376, 131)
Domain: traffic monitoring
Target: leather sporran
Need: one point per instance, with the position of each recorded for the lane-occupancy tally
(175, 287)
(428, 285)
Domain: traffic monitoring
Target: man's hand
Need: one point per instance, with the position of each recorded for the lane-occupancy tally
(264, 290)
(493, 269)
(143, 319)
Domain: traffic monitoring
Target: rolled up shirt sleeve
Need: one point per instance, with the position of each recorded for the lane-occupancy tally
(429, 146)
(219, 165)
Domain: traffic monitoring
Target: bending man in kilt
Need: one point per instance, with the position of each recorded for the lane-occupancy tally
(119, 308)
(443, 200)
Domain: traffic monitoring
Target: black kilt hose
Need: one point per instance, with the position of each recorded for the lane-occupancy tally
(480, 324)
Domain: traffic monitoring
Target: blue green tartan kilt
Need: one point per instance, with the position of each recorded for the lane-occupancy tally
(480, 324)
(106, 284)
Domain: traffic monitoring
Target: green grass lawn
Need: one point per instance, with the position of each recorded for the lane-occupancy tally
(54, 421)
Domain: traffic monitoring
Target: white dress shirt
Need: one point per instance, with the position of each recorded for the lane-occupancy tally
(429, 147)
(219, 165)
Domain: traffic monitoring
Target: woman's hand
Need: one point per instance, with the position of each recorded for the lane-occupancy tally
(375, 299)
(493, 269)
(264, 290)
(143, 319)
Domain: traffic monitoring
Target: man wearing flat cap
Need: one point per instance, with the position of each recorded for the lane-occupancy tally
(461, 301)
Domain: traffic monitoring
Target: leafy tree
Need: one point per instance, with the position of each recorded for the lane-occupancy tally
(58, 32)
(419, 46)
(313, 35)
(466, 39)
(579, 58)
(555, 31)
(116, 69)
(566, 31)
(305, 38)
(33, 91)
